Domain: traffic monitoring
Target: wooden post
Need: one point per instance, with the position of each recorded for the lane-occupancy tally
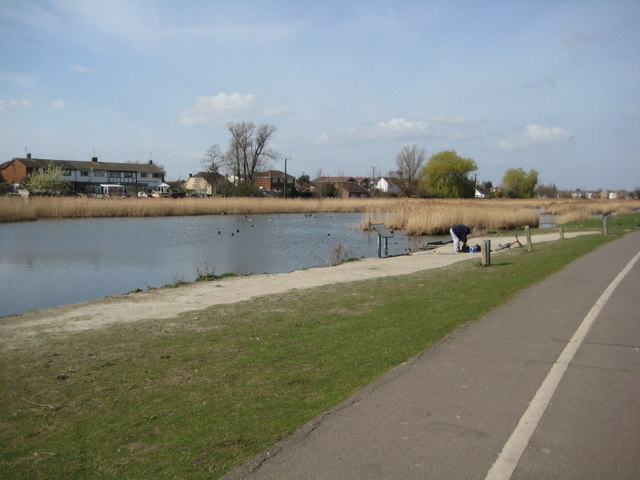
(486, 253)
(561, 232)
(605, 225)
(527, 231)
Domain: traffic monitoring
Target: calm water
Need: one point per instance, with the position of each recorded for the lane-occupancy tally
(50, 263)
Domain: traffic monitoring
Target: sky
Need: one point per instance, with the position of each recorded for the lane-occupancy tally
(547, 85)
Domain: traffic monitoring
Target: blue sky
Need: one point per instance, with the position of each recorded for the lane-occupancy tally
(546, 85)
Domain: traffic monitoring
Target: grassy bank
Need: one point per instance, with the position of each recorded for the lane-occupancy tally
(194, 396)
(412, 216)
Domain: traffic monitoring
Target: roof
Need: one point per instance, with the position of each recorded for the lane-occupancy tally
(333, 180)
(352, 187)
(271, 174)
(89, 165)
(394, 180)
(210, 177)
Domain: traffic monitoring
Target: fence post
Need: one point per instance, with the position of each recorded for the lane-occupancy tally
(527, 231)
(486, 253)
(561, 232)
(605, 225)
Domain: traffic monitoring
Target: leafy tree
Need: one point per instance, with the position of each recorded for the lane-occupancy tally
(326, 190)
(47, 181)
(447, 174)
(304, 181)
(519, 184)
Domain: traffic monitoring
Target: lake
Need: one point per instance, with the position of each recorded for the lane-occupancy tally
(51, 263)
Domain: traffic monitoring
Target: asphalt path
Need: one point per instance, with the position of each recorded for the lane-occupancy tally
(546, 386)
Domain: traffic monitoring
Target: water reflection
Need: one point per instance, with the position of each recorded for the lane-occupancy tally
(49, 263)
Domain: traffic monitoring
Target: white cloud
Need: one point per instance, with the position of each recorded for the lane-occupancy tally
(18, 79)
(58, 104)
(215, 109)
(24, 102)
(397, 128)
(401, 128)
(83, 69)
(276, 111)
(535, 135)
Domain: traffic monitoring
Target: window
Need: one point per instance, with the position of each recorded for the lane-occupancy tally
(84, 173)
(128, 174)
(99, 173)
(115, 174)
(67, 173)
(143, 175)
(156, 175)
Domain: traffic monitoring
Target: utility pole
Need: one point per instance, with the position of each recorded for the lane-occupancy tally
(373, 176)
(285, 178)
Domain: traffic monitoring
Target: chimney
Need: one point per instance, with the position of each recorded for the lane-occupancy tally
(94, 159)
(150, 162)
(190, 175)
(28, 155)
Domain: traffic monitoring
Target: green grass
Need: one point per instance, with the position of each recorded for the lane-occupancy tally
(194, 396)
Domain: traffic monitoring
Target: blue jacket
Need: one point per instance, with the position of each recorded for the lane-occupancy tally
(461, 231)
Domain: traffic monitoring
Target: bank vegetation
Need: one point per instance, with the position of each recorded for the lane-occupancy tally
(412, 216)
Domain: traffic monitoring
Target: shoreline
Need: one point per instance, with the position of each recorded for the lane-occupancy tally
(166, 303)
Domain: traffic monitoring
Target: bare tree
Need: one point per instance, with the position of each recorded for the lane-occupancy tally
(248, 150)
(409, 160)
(213, 160)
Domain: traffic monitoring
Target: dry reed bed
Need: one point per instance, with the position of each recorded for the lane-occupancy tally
(17, 209)
(413, 216)
(434, 217)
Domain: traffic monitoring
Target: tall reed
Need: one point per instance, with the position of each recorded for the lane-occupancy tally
(413, 216)
(434, 217)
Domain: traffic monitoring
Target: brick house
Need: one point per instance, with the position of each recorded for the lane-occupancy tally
(351, 190)
(274, 180)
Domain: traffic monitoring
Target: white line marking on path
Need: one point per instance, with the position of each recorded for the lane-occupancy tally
(513, 450)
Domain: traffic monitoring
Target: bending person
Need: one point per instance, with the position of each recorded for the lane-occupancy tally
(459, 235)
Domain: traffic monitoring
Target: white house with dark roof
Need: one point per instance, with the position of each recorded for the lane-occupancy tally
(92, 176)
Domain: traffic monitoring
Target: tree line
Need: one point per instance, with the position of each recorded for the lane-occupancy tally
(445, 174)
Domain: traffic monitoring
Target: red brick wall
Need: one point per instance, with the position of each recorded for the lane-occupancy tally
(263, 182)
(15, 172)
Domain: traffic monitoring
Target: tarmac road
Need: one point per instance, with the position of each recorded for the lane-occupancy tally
(564, 353)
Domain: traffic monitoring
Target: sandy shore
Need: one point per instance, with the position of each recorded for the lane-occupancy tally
(166, 303)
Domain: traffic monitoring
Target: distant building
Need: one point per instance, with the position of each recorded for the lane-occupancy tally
(92, 176)
(204, 184)
(274, 181)
(351, 190)
(393, 185)
(482, 192)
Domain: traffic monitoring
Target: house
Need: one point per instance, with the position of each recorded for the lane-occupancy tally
(204, 184)
(177, 185)
(482, 192)
(274, 181)
(92, 176)
(391, 185)
(496, 191)
(351, 190)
